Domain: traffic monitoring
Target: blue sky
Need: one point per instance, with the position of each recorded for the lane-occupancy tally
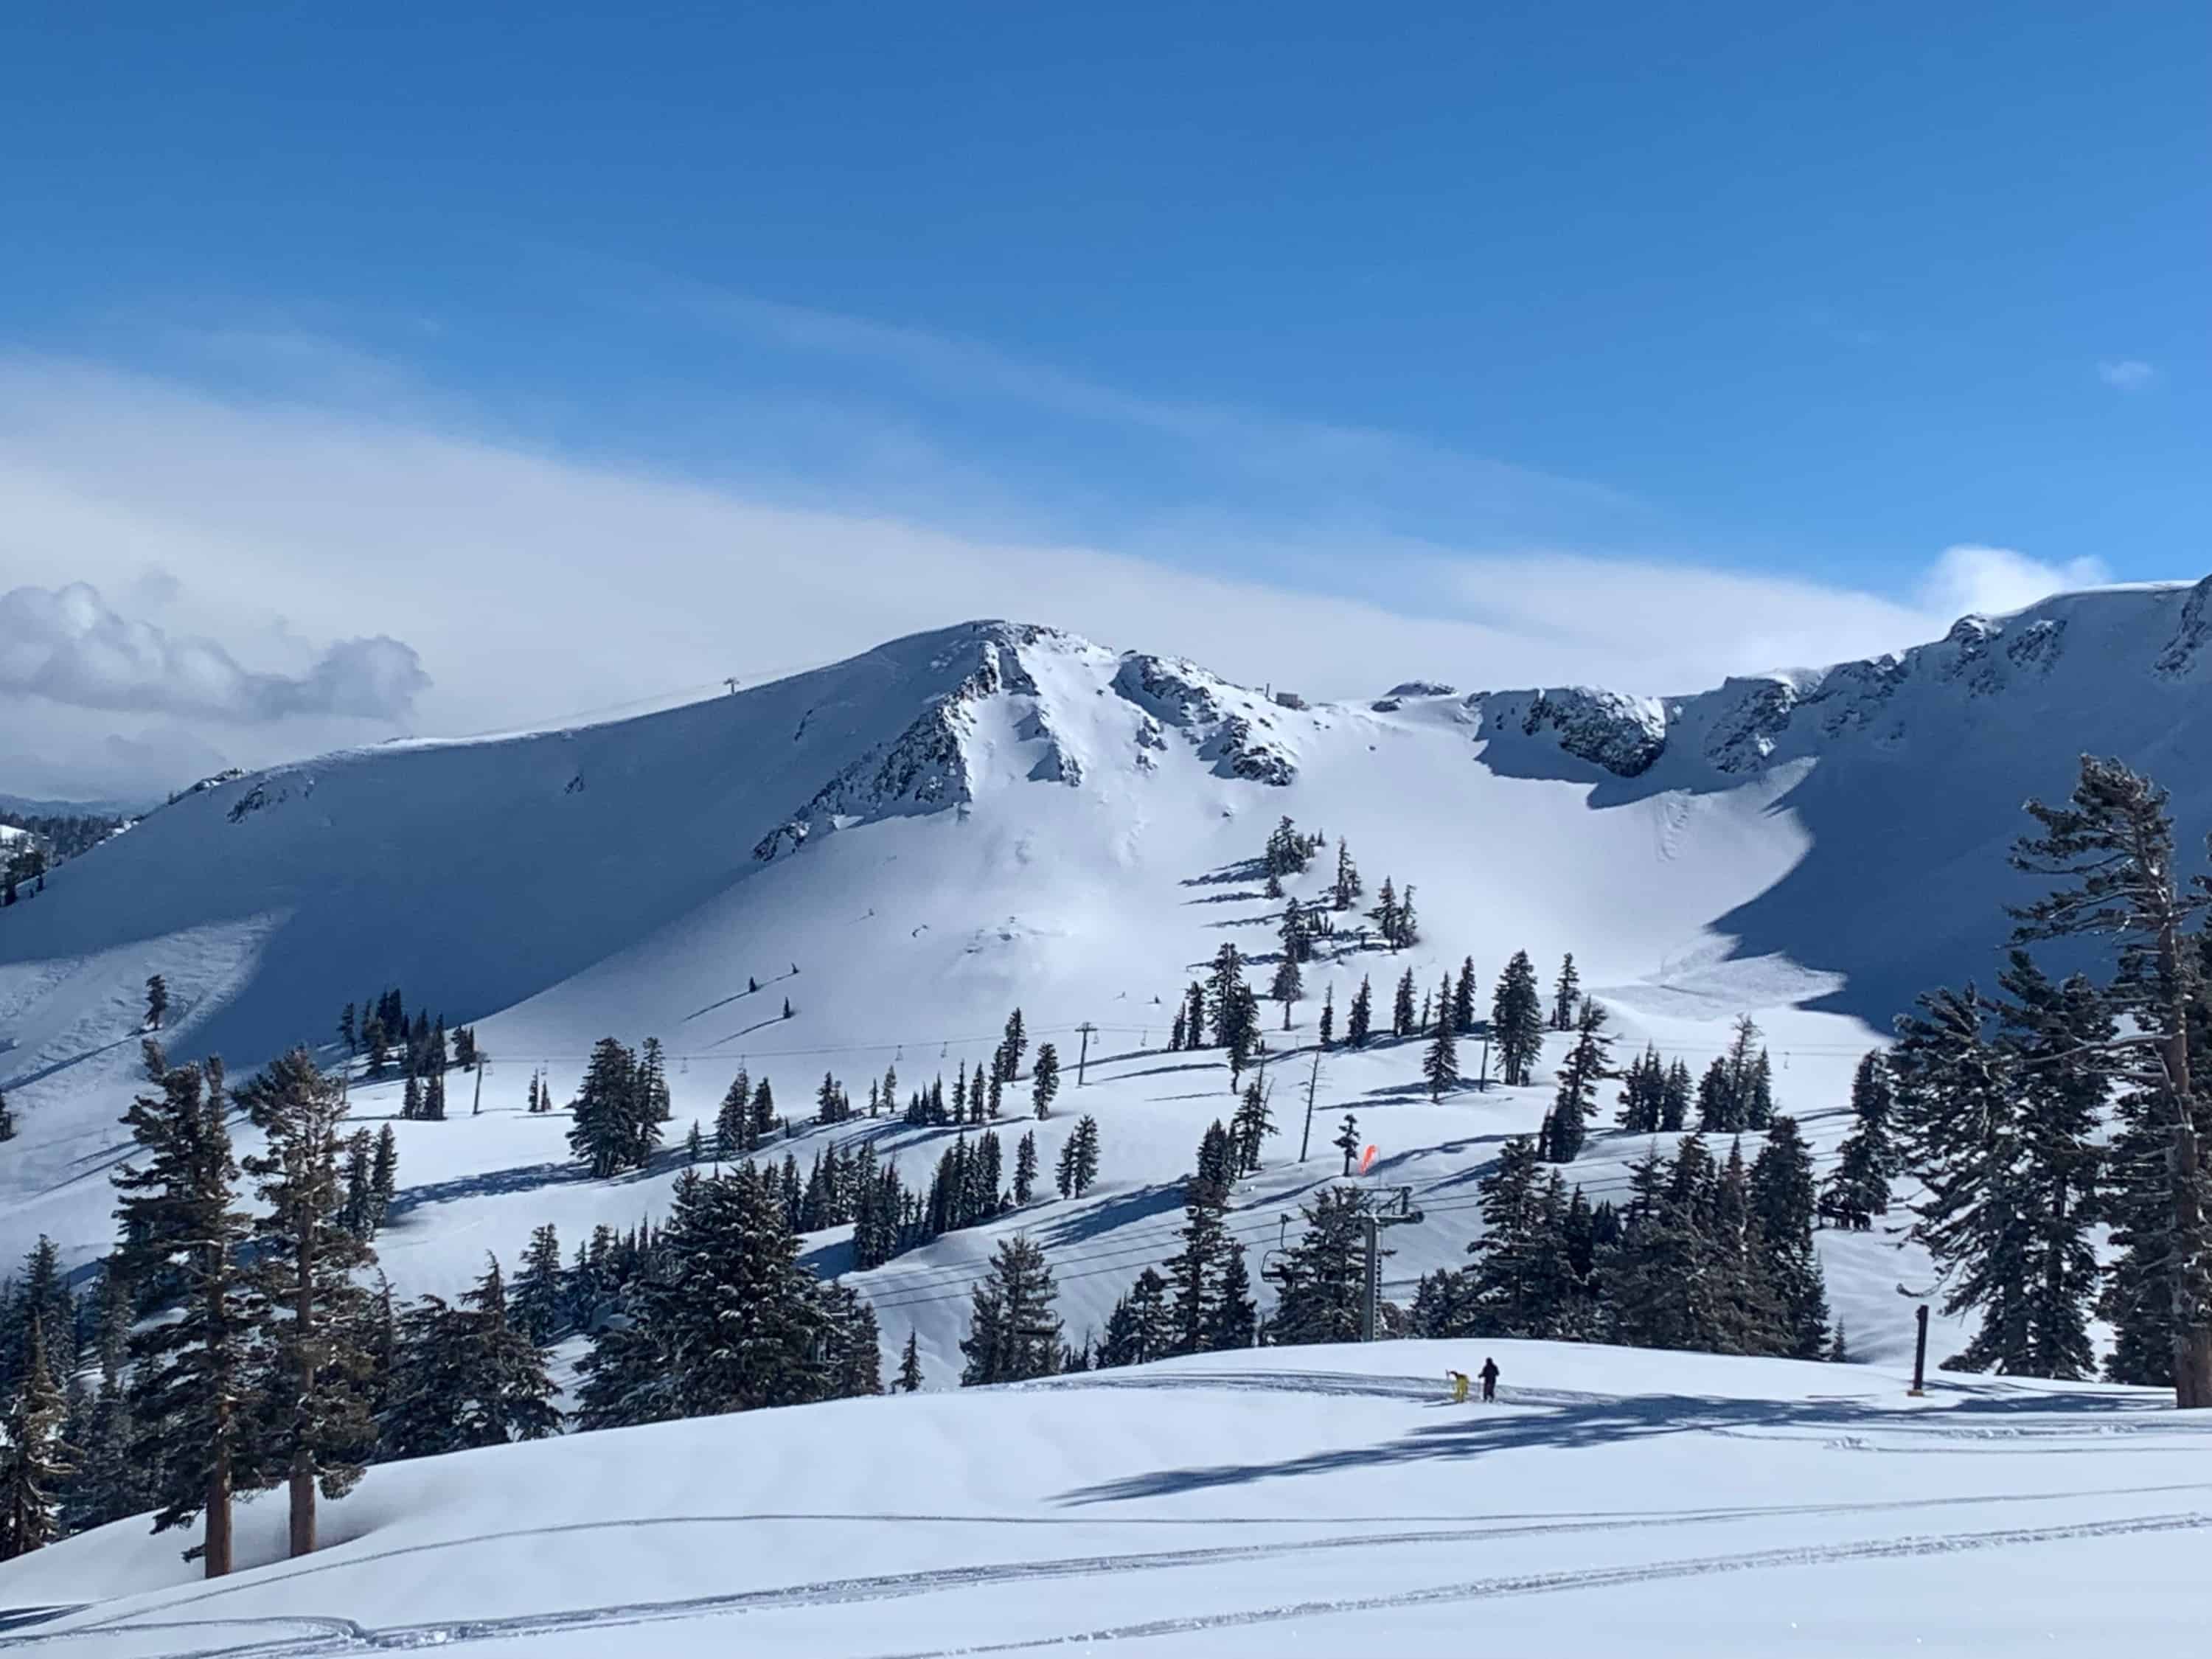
(1273, 293)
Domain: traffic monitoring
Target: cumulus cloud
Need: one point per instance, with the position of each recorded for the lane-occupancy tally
(1992, 581)
(69, 646)
(2126, 374)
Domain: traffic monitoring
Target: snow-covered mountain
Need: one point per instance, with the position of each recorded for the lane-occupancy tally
(908, 844)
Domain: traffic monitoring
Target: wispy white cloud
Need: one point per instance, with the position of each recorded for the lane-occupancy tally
(1968, 580)
(2127, 374)
(533, 585)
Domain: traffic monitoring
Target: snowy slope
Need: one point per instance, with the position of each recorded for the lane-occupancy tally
(1321, 1501)
(997, 814)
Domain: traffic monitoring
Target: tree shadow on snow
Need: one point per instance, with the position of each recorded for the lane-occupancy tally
(1145, 1202)
(1559, 1420)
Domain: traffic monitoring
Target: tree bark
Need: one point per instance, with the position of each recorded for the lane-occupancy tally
(2192, 1335)
(215, 1544)
(303, 1458)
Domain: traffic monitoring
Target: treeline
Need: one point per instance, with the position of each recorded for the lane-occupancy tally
(1707, 1254)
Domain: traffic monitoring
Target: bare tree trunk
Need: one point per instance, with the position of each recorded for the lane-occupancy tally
(303, 1457)
(215, 1544)
(2192, 1335)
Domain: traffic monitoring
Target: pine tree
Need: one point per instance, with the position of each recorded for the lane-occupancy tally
(763, 1121)
(1141, 1326)
(1675, 1098)
(309, 1310)
(1780, 1202)
(2110, 850)
(157, 1002)
(1401, 1007)
(6, 1119)
(1287, 986)
(1642, 1094)
(1576, 1102)
(695, 1143)
(1250, 1126)
(1346, 888)
(1328, 1016)
(1520, 1285)
(34, 1461)
(1007, 1066)
(1321, 1281)
(1384, 916)
(2058, 1037)
(383, 1178)
(1014, 1334)
(1085, 1141)
(1363, 1009)
(1857, 1190)
(1233, 1317)
(505, 1392)
(1463, 999)
(1958, 1106)
(600, 1133)
(1566, 995)
(1516, 1020)
(1044, 1079)
(1347, 1142)
(1440, 1067)
(909, 1371)
(535, 1304)
(190, 1381)
(1216, 1167)
(1026, 1168)
(1193, 1271)
(726, 1321)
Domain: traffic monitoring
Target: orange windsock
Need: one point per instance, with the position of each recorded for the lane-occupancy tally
(1366, 1159)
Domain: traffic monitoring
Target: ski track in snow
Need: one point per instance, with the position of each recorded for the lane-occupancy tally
(341, 1636)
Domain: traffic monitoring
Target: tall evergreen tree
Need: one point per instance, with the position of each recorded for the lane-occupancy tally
(505, 1393)
(1780, 1199)
(1359, 1023)
(1522, 1285)
(1440, 1067)
(1321, 1281)
(1347, 1142)
(1346, 888)
(727, 1321)
(1026, 1168)
(1194, 1273)
(1858, 1191)
(1566, 995)
(2059, 1038)
(190, 1379)
(157, 1002)
(2109, 851)
(34, 1462)
(1044, 1079)
(909, 1371)
(1577, 1100)
(1014, 1334)
(1401, 1007)
(535, 1304)
(310, 1310)
(1141, 1326)
(1958, 1106)
(733, 1121)
(1516, 1020)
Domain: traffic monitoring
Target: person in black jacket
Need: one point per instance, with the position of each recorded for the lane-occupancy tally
(1489, 1375)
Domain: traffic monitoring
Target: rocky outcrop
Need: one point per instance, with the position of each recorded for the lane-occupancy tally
(1231, 729)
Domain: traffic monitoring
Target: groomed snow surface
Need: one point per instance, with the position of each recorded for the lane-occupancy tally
(1314, 1501)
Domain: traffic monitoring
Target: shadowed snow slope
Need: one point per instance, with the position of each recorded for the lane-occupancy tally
(906, 845)
(1324, 1501)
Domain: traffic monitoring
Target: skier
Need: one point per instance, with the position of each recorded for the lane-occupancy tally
(1489, 1375)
